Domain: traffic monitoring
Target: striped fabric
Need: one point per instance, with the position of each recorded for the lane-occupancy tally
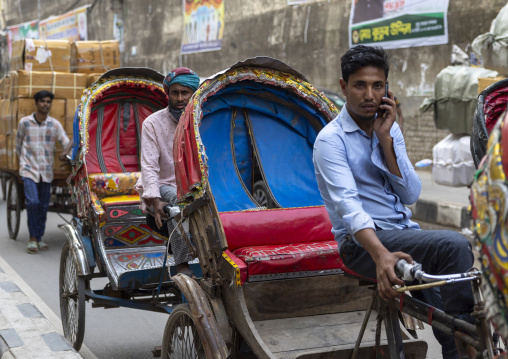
(35, 145)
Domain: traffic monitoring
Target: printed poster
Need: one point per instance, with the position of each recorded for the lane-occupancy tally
(69, 26)
(27, 30)
(203, 25)
(395, 24)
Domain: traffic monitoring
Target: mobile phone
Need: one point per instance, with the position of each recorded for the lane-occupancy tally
(386, 95)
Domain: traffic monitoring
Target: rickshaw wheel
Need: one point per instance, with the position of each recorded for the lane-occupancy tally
(13, 208)
(72, 299)
(181, 338)
(3, 183)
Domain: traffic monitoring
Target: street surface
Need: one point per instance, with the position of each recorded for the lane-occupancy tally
(110, 333)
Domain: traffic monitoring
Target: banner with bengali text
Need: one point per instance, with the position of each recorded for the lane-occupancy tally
(70, 26)
(394, 24)
(203, 25)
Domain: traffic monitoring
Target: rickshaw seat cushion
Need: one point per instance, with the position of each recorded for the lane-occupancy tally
(276, 241)
(276, 227)
(113, 184)
(290, 258)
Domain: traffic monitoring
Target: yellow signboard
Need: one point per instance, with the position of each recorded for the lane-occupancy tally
(69, 26)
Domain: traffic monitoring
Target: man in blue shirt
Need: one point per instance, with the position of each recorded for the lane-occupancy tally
(366, 179)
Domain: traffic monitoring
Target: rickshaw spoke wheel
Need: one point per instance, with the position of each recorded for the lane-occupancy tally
(13, 208)
(72, 299)
(181, 338)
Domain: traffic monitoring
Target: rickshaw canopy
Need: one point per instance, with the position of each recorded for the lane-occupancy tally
(259, 115)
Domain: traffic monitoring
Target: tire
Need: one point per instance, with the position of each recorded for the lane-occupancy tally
(72, 299)
(181, 339)
(14, 197)
(3, 183)
(261, 195)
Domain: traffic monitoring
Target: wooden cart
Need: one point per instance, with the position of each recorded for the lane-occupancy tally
(12, 189)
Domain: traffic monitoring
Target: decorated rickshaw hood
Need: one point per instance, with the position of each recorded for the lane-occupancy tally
(189, 152)
(126, 77)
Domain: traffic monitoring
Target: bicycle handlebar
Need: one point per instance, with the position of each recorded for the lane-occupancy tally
(413, 271)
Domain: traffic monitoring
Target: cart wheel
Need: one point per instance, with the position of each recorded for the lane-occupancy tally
(72, 299)
(3, 182)
(13, 208)
(181, 339)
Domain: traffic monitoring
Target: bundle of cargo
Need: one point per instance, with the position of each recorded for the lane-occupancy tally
(492, 46)
(62, 68)
(63, 85)
(41, 55)
(90, 57)
(454, 100)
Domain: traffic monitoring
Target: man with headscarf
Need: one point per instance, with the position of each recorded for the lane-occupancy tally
(157, 185)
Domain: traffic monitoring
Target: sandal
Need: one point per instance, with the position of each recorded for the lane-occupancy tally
(43, 246)
(32, 247)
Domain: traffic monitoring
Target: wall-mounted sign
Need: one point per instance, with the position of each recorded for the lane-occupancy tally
(398, 23)
(69, 26)
(203, 25)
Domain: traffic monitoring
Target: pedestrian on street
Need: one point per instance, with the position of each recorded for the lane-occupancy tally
(157, 184)
(35, 146)
(366, 180)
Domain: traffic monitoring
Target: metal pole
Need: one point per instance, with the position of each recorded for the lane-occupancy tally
(364, 324)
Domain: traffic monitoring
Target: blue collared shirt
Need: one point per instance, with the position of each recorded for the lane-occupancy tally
(358, 189)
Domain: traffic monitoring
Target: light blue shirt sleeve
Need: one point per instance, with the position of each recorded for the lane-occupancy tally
(409, 186)
(335, 174)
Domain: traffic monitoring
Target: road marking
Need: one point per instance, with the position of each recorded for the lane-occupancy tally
(53, 319)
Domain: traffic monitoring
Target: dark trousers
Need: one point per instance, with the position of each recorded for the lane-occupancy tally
(439, 252)
(37, 196)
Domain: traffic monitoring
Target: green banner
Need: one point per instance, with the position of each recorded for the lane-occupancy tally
(405, 27)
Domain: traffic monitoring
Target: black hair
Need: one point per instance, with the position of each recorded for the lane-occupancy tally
(41, 94)
(361, 56)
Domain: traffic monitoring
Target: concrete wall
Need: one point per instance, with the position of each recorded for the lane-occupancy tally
(309, 37)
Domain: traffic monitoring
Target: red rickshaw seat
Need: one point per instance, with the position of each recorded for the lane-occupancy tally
(294, 241)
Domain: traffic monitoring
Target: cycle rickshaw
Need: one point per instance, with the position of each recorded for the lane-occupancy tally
(270, 281)
(109, 236)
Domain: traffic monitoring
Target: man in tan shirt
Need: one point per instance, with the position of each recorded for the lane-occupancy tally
(157, 185)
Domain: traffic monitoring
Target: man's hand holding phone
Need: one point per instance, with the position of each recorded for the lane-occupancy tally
(386, 115)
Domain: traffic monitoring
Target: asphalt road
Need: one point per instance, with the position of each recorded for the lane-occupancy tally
(110, 333)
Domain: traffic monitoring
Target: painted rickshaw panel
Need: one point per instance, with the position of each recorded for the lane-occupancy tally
(489, 212)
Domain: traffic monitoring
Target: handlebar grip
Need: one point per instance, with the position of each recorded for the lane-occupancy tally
(399, 267)
(171, 211)
(406, 271)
